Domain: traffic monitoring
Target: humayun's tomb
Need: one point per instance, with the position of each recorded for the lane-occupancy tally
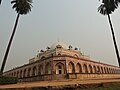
(61, 61)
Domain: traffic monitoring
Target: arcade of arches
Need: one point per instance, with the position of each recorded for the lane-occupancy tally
(60, 68)
(60, 60)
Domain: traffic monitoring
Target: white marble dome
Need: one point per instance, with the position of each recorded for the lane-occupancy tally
(62, 44)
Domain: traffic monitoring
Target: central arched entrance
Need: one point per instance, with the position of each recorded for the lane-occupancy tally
(59, 68)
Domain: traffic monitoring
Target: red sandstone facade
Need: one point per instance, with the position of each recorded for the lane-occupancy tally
(62, 62)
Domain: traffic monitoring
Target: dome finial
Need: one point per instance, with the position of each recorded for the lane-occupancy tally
(62, 44)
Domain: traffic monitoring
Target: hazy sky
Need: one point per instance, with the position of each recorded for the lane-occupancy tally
(75, 22)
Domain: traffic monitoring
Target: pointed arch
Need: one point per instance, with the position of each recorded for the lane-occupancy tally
(21, 73)
(85, 68)
(90, 68)
(48, 68)
(34, 71)
(24, 73)
(71, 67)
(18, 74)
(98, 69)
(14, 74)
(79, 68)
(40, 70)
(29, 72)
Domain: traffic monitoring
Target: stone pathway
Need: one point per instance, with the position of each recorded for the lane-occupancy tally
(56, 83)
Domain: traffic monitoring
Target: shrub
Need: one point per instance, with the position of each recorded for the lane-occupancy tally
(8, 80)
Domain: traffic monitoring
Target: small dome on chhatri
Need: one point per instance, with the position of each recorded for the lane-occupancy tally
(59, 43)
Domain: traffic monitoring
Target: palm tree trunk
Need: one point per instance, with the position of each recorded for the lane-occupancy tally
(9, 45)
(0, 1)
(114, 40)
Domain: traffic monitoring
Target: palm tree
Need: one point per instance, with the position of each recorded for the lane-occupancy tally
(106, 8)
(22, 7)
(0, 1)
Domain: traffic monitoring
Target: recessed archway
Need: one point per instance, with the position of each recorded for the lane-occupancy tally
(90, 69)
(59, 68)
(78, 68)
(85, 68)
(40, 70)
(21, 74)
(29, 72)
(48, 68)
(24, 73)
(71, 67)
(34, 71)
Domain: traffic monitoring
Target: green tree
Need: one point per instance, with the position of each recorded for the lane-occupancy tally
(106, 8)
(22, 7)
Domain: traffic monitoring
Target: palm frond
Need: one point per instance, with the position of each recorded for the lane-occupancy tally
(102, 9)
(22, 6)
(108, 6)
